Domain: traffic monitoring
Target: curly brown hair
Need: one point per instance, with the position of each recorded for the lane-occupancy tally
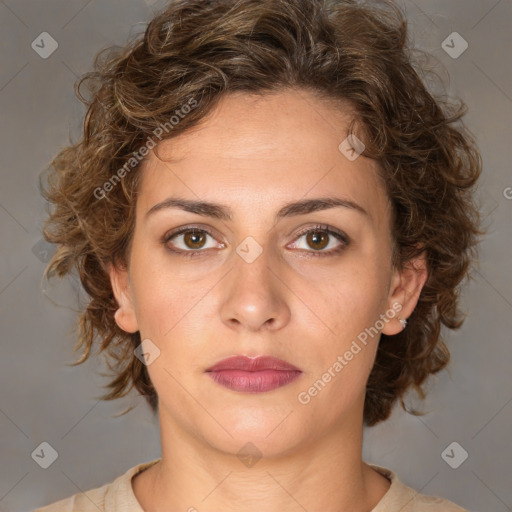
(201, 50)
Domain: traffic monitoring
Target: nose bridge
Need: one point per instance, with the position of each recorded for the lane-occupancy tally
(254, 294)
(253, 270)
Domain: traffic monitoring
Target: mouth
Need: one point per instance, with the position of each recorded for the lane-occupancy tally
(253, 375)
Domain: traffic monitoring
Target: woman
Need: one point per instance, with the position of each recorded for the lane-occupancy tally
(271, 215)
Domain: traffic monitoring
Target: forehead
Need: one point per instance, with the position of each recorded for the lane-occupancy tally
(261, 151)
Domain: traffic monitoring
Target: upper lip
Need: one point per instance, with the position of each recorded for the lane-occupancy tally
(252, 364)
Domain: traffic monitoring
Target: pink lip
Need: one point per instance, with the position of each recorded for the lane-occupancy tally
(253, 375)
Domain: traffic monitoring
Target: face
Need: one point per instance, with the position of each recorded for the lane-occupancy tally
(251, 277)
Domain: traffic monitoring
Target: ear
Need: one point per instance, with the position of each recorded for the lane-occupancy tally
(125, 316)
(405, 289)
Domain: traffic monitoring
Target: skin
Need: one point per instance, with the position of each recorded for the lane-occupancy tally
(255, 154)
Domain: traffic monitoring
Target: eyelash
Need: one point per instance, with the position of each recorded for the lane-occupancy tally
(342, 237)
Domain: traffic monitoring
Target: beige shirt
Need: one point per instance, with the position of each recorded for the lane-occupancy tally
(118, 496)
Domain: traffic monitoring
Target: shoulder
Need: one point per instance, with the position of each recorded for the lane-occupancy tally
(92, 500)
(402, 498)
(116, 496)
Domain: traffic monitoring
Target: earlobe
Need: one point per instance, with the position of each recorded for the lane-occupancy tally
(125, 315)
(405, 290)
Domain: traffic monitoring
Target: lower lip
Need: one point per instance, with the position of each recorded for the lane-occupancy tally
(253, 382)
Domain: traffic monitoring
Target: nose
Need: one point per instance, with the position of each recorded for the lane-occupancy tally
(255, 295)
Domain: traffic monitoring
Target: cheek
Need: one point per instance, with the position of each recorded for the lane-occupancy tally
(349, 301)
(162, 297)
(348, 309)
(171, 313)
(341, 360)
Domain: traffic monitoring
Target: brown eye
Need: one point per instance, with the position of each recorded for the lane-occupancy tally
(194, 239)
(317, 239)
(190, 240)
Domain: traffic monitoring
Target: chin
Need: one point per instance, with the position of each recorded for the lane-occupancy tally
(266, 432)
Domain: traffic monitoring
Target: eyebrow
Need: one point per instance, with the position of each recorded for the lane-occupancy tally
(223, 212)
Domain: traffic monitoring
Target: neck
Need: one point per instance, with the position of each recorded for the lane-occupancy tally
(327, 475)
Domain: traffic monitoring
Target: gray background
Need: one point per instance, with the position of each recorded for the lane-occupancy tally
(42, 399)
